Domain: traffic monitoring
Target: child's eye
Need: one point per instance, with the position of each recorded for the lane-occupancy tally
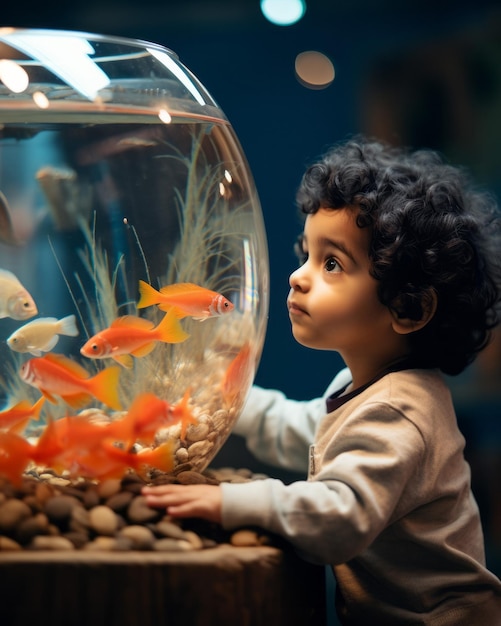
(331, 265)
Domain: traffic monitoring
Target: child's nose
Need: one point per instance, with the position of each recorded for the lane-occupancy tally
(298, 279)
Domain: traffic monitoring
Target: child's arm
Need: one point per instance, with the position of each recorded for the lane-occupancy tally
(279, 430)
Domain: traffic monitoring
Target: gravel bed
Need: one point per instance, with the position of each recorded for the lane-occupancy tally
(51, 512)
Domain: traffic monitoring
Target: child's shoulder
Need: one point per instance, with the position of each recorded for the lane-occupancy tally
(421, 396)
(410, 387)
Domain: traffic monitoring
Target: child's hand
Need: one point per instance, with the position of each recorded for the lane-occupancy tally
(187, 500)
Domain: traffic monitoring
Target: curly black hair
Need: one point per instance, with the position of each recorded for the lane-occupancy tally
(432, 232)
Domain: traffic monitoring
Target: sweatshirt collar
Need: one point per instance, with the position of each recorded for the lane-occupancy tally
(335, 400)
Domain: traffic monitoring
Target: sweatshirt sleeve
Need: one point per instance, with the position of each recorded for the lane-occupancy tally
(279, 430)
(338, 512)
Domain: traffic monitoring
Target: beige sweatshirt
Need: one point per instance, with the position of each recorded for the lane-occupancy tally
(387, 502)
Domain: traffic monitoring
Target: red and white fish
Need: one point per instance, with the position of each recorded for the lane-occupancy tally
(185, 299)
(15, 301)
(131, 335)
(56, 375)
(42, 334)
(16, 417)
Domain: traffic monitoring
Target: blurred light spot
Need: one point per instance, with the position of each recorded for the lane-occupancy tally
(165, 116)
(40, 100)
(13, 76)
(228, 176)
(283, 12)
(314, 70)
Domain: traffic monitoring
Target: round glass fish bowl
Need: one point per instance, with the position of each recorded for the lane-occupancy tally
(133, 260)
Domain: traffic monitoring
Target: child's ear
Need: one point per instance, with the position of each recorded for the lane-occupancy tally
(405, 325)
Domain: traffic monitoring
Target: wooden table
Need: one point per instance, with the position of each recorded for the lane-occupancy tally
(221, 586)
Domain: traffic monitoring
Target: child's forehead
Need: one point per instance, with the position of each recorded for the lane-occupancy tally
(331, 219)
(335, 225)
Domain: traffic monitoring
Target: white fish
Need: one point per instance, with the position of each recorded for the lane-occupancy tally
(15, 301)
(41, 335)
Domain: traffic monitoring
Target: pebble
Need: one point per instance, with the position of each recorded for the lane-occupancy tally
(78, 538)
(141, 537)
(190, 477)
(119, 502)
(91, 497)
(182, 455)
(9, 545)
(43, 492)
(109, 487)
(48, 542)
(198, 432)
(12, 512)
(140, 513)
(192, 538)
(106, 544)
(172, 545)
(80, 518)
(66, 515)
(103, 520)
(169, 529)
(31, 527)
(58, 509)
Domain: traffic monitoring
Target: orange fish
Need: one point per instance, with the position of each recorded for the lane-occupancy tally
(15, 454)
(146, 415)
(49, 447)
(239, 374)
(57, 375)
(65, 442)
(185, 299)
(131, 335)
(181, 412)
(161, 458)
(16, 418)
(74, 444)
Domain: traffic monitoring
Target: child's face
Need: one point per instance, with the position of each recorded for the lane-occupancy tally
(333, 303)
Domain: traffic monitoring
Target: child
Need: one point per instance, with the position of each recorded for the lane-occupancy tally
(400, 274)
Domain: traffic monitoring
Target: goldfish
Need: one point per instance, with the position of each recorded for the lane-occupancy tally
(73, 443)
(131, 335)
(15, 455)
(145, 416)
(41, 335)
(16, 417)
(84, 448)
(181, 412)
(185, 299)
(15, 301)
(161, 458)
(238, 375)
(57, 375)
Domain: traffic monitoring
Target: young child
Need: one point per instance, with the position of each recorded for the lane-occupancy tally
(400, 274)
